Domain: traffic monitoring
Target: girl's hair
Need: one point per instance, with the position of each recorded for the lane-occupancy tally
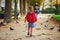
(31, 8)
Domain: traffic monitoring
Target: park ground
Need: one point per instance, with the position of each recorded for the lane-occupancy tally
(41, 31)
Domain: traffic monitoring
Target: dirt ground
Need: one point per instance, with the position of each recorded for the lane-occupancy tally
(41, 31)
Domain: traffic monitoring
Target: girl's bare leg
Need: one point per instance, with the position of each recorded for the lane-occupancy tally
(30, 32)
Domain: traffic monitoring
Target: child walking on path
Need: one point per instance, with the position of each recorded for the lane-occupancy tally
(31, 19)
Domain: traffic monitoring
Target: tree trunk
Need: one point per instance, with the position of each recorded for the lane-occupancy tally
(56, 6)
(0, 5)
(21, 7)
(43, 5)
(8, 15)
(15, 9)
(51, 4)
(24, 7)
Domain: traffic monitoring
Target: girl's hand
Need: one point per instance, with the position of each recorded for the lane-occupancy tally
(25, 21)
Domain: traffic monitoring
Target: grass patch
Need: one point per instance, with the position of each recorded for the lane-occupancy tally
(57, 17)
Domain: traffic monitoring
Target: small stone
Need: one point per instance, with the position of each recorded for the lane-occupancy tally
(2, 39)
(49, 38)
(15, 39)
(24, 31)
(6, 33)
(47, 21)
(52, 28)
(46, 25)
(48, 34)
(58, 37)
(17, 22)
(38, 28)
(39, 35)
(27, 36)
(43, 33)
(41, 23)
(30, 36)
(1, 23)
(11, 28)
(20, 38)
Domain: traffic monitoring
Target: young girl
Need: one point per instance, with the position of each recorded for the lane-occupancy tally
(31, 19)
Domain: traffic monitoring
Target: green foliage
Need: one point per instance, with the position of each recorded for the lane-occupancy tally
(32, 2)
(39, 2)
(57, 17)
(57, 10)
(48, 10)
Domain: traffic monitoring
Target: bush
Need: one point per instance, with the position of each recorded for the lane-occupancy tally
(48, 10)
(57, 17)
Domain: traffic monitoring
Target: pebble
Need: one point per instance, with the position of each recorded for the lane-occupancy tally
(29, 36)
(41, 23)
(46, 25)
(46, 34)
(11, 28)
(39, 35)
(7, 34)
(52, 28)
(38, 28)
(20, 38)
(2, 39)
(15, 39)
(47, 21)
(43, 33)
(49, 38)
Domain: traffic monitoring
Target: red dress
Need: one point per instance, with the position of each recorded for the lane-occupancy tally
(31, 17)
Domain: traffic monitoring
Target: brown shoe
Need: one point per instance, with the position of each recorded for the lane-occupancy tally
(30, 35)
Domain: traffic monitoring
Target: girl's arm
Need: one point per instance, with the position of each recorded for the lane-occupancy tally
(35, 17)
(25, 20)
